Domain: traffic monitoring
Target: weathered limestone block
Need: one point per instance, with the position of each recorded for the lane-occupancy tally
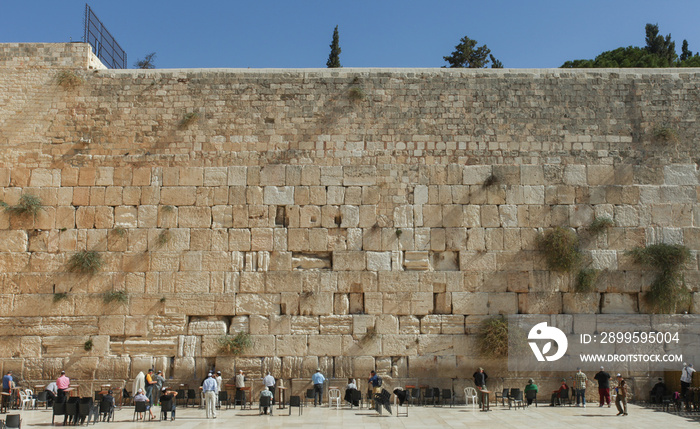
(430, 324)
(681, 174)
(452, 324)
(304, 325)
(336, 325)
(619, 303)
(194, 217)
(431, 216)
(325, 345)
(250, 303)
(320, 303)
(263, 345)
(378, 261)
(477, 261)
(399, 345)
(350, 216)
(470, 303)
(540, 303)
(476, 174)
(361, 345)
(359, 175)
(349, 261)
(278, 195)
(532, 175)
(170, 325)
(409, 325)
(604, 259)
(417, 261)
(239, 324)
(237, 176)
(503, 303)
(574, 303)
(435, 345)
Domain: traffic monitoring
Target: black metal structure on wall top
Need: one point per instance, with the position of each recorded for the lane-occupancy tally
(103, 44)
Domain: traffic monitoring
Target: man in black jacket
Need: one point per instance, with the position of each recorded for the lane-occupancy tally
(480, 381)
(603, 386)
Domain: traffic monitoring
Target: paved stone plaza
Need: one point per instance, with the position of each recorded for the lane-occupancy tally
(419, 417)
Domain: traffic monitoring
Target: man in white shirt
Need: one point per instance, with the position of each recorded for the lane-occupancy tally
(219, 380)
(686, 380)
(269, 382)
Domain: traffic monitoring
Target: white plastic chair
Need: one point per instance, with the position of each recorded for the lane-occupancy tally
(470, 393)
(24, 399)
(334, 396)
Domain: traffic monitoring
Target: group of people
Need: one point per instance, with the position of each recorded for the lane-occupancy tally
(580, 382)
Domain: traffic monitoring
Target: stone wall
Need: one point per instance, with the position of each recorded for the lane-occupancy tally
(344, 218)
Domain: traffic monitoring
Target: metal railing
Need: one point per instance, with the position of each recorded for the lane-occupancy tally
(105, 47)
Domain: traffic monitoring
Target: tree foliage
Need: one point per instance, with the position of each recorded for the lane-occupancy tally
(468, 55)
(660, 51)
(147, 63)
(334, 56)
(495, 64)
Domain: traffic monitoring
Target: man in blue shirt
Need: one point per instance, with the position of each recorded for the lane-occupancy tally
(7, 382)
(376, 383)
(318, 379)
(210, 387)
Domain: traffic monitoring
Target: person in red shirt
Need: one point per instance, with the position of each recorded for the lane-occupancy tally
(558, 394)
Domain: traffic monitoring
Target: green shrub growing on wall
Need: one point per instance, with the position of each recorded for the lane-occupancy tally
(85, 262)
(28, 204)
(235, 345)
(189, 119)
(585, 281)
(493, 337)
(668, 293)
(68, 79)
(600, 224)
(561, 248)
(118, 296)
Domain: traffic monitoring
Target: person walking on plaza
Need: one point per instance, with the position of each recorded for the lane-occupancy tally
(376, 382)
(686, 380)
(209, 388)
(603, 379)
(621, 397)
(580, 381)
(318, 379)
(160, 381)
(62, 383)
(150, 384)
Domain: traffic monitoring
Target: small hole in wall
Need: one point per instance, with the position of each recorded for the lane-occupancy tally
(269, 120)
(280, 216)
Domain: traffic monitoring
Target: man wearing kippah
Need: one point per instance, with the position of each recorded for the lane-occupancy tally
(209, 388)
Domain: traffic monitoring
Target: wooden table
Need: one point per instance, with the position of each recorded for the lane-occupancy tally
(281, 397)
(485, 405)
(4, 404)
(74, 390)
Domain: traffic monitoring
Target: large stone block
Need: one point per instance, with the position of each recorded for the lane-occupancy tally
(619, 303)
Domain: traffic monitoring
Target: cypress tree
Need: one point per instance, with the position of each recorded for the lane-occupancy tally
(334, 56)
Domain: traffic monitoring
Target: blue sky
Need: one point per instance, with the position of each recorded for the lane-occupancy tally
(379, 33)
